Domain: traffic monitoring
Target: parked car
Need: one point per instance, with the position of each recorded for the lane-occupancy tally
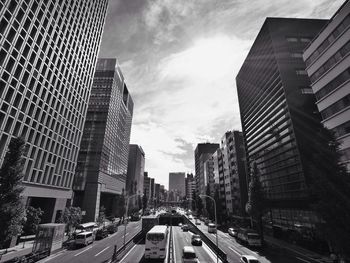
(249, 259)
(232, 232)
(196, 240)
(185, 228)
(101, 233)
(188, 255)
(180, 225)
(84, 238)
(198, 222)
(206, 221)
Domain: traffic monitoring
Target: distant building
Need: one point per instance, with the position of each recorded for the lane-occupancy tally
(279, 116)
(152, 191)
(103, 157)
(46, 74)
(157, 193)
(147, 186)
(190, 186)
(232, 170)
(202, 153)
(177, 184)
(328, 66)
(135, 175)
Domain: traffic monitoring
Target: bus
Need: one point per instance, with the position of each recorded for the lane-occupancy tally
(86, 227)
(211, 228)
(156, 242)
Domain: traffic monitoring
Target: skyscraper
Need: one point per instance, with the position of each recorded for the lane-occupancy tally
(48, 52)
(177, 184)
(328, 65)
(279, 116)
(202, 153)
(136, 168)
(103, 158)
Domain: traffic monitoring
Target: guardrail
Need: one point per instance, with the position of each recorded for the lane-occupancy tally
(121, 252)
(222, 255)
(170, 258)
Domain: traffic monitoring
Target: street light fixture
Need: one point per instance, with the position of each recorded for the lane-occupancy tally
(216, 225)
(126, 214)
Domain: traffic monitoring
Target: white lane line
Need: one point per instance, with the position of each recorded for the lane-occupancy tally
(186, 239)
(54, 256)
(112, 235)
(83, 251)
(235, 251)
(129, 251)
(126, 234)
(101, 251)
(174, 250)
(303, 260)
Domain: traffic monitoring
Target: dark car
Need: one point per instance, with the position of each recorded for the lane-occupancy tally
(232, 232)
(112, 228)
(185, 228)
(101, 233)
(196, 240)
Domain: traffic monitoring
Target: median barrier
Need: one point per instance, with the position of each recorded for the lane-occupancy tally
(222, 255)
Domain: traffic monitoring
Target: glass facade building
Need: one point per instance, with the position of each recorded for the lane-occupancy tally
(279, 116)
(48, 53)
(103, 157)
(328, 65)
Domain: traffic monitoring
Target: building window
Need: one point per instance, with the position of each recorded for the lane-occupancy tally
(301, 72)
(336, 107)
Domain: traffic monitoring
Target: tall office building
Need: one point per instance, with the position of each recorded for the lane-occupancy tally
(279, 116)
(136, 169)
(232, 172)
(177, 184)
(146, 185)
(151, 187)
(202, 153)
(48, 52)
(103, 157)
(328, 65)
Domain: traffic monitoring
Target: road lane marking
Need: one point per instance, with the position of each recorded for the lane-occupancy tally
(303, 260)
(130, 251)
(83, 251)
(126, 234)
(186, 239)
(54, 256)
(112, 235)
(174, 250)
(101, 251)
(235, 251)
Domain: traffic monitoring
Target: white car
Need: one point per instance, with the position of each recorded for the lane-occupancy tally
(190, 217)
(249, 259)
(189, 255)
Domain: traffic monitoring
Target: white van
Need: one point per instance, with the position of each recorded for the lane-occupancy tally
(84, 238)
(188, 255)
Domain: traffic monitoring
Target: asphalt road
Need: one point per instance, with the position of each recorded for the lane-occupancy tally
(235, 250)
(181, 239)
(99, 251)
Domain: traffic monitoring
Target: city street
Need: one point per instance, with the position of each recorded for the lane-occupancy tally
(235, 250)
(99, 251)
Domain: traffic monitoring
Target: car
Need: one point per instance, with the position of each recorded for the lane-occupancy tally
(206, 221)
(112, 228)
(180, 225)
(189, 255)
(101, 233)
(249, 259)
(232, 232)
(190, 217)
(185, 228)
(198, 222)
(196, 240)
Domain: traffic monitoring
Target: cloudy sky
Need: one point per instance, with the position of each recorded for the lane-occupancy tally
(180, 59)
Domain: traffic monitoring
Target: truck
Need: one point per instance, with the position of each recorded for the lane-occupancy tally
(148, 222)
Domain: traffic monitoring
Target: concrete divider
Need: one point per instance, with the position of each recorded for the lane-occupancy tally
(222, 255)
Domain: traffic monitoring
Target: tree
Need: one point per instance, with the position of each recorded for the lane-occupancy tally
(101, 216)
(255, 204)
(11, 205)
(33, 218)
(199, 205)
(71, 217)
(330, 184)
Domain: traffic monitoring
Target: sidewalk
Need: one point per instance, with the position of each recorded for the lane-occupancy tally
(297, 249)
(17, 251)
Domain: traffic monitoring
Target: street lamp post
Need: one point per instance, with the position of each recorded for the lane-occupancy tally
(216, 225)
(126, 215)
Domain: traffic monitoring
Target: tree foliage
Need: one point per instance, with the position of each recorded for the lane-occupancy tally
(256, 204)
(330, 191)
(71, 217)
(11, 206)
(33, 218)
(101, 216)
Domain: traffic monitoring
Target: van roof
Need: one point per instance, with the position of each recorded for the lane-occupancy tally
(84, 233)
(89, 224)
(158, 229)
(188, 249)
